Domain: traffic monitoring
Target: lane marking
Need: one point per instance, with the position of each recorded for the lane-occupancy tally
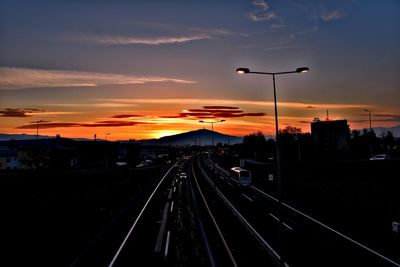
(273, 216)
(227, 249)
(287, 226)
(174, 189)
(169, 194)
(137, 219)
(247, 197)
(330, 229)
(246, 223)
(161, 232)
(344, 236)
(172, 206)
(167, 245)
(277, 219)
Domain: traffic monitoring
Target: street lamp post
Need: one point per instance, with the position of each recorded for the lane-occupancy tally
(370, 121)
(212, 128)
(37, 128)
(370, 131)
(212, 134)
(278, 160)
(278, 163)
(35, 150)
(105, 152)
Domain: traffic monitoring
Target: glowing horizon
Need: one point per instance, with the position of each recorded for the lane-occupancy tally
(141, 72)
(145, 121)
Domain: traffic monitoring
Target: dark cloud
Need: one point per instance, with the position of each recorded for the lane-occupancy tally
(124, 116)
(220, 107)
(380, 117)
(112, 124)
(393, 116)
(73, 124)
(19, 112)
(172, 116)
(14, 112)
(214, 110)
(35, 109)
(39, 121)
(205, 117)
(210, 112)
(49, 125)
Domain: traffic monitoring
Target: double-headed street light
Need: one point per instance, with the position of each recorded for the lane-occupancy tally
(212, 128)
(370, 121)
(278, 163)
(278, 160)
(370, 132)
(212, 135)
(37, 128)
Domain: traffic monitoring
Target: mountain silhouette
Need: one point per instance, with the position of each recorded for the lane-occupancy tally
(202, 137)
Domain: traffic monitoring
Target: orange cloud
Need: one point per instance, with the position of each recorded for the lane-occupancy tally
(73, 124)
(124, 116)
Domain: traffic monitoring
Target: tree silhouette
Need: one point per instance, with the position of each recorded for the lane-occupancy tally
(257, 147)
(288, 142)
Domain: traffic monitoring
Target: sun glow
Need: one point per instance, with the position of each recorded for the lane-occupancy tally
(162, 133)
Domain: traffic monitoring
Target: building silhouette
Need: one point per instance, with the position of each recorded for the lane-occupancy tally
(331, 137)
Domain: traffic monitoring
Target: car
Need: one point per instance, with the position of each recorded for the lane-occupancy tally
(380, 157)
(183, 175)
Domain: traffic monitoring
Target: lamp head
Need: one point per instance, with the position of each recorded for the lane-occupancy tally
(242, 70)
(201, 121)
(302, 69)
(222, 120)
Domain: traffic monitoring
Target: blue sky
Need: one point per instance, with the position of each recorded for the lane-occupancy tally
(81, 62)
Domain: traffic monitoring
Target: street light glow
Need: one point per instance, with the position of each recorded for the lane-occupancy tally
(242, 70)
(247, 70)
(302, 69)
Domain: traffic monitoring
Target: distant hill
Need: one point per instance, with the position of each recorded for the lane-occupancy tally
(198, 137)
(379, 131)
(7, 137)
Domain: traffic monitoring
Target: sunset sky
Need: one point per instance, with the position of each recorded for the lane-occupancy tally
(145, 69)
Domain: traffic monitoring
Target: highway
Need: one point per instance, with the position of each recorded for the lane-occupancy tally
(297, 237)
(203, 219)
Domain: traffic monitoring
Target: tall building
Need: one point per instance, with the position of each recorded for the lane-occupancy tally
(331, 137)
